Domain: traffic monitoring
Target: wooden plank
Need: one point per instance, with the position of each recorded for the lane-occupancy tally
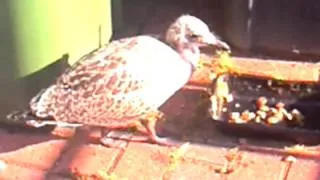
(274, 69)
(290, 71)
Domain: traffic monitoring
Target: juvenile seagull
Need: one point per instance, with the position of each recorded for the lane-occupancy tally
(125, 81)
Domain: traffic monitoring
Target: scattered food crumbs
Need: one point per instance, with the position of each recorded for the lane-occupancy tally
(176, 155)
(212, 75)
(224, 63)
(234, 160)
(237, 105)
(268, 115)
(220, 96)
(286, 167)
(296, 51)
(106, 175)
(289, 159)
(3, 165)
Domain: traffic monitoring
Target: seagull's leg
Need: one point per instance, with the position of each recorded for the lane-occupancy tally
(112, 138)
(119, 136)
(150, 123)
(119, 139)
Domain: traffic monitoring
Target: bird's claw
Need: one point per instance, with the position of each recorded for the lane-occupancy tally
(119, 139)
(166, 142)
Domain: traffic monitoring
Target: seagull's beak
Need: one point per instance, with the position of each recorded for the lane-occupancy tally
(211, 39)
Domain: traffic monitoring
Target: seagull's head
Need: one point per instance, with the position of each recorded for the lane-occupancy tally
(188, 33)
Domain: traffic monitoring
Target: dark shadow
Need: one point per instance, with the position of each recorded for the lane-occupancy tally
(117, 21)
(45, 76)
(137, 16)
(8, 55)
(15, 139)
(29, 86)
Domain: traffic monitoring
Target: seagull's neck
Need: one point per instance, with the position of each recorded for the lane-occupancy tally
(190, 53)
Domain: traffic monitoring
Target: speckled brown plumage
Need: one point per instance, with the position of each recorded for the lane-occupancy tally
(126, 79)
(102, 89)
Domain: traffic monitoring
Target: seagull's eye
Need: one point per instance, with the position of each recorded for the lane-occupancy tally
(194, 36)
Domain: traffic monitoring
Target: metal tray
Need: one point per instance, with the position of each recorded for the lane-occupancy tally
(306, 98)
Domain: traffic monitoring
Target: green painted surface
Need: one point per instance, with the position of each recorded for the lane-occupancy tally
(36, 34)
(47, 29)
